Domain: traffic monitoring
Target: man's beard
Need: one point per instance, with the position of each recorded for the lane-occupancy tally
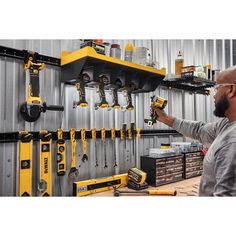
(221, 106)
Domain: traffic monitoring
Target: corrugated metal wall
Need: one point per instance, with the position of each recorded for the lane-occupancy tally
(13, 87)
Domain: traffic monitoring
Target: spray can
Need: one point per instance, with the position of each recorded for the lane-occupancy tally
(129, 52)
(179, 63)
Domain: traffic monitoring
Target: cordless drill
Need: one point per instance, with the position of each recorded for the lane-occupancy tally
(156, 102)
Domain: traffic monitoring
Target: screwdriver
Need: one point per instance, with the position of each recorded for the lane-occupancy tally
(117, 193)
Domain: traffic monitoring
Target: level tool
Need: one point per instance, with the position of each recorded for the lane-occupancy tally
(87, 187)
(61, 153)
(84, 144)
(25, 156)
(45, 184)
(74, 172)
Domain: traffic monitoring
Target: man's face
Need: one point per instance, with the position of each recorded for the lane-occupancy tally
(221, 99)
(221, 106)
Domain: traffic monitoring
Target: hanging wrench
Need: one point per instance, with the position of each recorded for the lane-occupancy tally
(103, 136)
(113, 136)
(95, 142)
(84, 144)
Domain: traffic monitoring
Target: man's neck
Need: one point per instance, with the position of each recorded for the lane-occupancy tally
(231, 115)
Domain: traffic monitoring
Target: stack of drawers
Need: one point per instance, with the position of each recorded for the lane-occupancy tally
(193, 164)
(163, 170)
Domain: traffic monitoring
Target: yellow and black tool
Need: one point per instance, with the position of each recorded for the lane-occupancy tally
(84, 144)
(90, 186)
(94, 136)
(113, 137)
(61, 153)
(156, 102)
(115, 104)
(25, 156)
(127, 94)
(103, 81)
(45, 184)
(80, 86)
(74, 172)
(32, 108)
(159, 192)
(103, 137)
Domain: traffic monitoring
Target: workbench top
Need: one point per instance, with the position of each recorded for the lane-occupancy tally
(187, 187)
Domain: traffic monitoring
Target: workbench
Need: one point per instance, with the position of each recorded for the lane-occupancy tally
(187, 187)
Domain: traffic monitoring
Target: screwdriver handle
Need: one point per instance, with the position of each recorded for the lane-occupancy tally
(162, 192)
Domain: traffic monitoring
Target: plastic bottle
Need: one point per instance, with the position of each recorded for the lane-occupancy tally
(129, 52)
(115, 51)
(179, 63)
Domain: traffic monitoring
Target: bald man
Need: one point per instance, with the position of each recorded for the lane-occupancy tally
(219, 165)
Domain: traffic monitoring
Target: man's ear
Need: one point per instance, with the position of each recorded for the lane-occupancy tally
(232, 92)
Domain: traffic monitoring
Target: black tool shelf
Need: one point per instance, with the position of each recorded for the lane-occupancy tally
(189, 83)
(138, 78)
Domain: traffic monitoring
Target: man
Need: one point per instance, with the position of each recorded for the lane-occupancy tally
(219, 165)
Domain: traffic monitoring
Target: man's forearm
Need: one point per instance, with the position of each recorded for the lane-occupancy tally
(168, 120)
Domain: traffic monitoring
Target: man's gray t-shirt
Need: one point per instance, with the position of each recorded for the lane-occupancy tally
(219, 165)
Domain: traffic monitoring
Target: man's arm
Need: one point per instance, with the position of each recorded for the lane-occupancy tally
(205, 133)
(225, 171)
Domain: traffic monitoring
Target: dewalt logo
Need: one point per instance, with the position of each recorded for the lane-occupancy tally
(46, 165)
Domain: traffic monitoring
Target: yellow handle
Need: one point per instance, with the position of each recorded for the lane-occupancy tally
(77, 85)
(121, 134)
(113, 135)
(129, 134)
(138, 135)
(103, 133)
(73, 147)
(84, 147)
(83, 133)
(59, 133)
(93, 133)
(162, 192)
(83, 138)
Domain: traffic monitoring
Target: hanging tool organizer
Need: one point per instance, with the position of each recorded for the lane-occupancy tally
(81, 69)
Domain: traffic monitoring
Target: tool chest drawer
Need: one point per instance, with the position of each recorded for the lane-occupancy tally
(193, 164)
(162, 170)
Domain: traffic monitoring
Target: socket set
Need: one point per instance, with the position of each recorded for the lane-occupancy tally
(162, 170)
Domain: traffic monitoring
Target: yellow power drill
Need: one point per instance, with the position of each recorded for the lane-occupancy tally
(156, 102)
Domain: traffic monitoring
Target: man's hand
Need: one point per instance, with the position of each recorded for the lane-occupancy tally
(163, 117)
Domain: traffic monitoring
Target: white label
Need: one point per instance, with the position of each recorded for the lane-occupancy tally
(82, 189)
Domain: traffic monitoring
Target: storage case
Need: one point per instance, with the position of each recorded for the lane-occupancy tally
(162, 170)
(193, 164)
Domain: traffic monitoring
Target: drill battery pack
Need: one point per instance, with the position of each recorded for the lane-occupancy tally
(133, 185)
(137, 175)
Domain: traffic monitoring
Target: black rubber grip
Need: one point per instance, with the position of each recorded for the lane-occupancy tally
(55, 108)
